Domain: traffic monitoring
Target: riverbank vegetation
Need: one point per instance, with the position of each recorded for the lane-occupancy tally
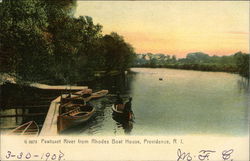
(42, 41)
(236, 63)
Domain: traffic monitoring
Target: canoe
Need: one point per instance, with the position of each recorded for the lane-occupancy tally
(74, 117)
(29, 128)
(99, 94)
(83, 92)
(119, 114)
(81, 99)
(77, 99)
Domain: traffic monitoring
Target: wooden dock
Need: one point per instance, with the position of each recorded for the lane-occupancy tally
(50, 124)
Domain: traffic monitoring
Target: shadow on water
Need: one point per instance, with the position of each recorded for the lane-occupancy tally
(120, 82)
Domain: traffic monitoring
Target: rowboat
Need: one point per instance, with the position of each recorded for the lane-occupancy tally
(29, 128)
(83, 92)
(99, 94)
(118, 112)
(74, 117)
(81, 99)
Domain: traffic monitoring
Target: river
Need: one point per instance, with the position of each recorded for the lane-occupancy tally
(184, 102)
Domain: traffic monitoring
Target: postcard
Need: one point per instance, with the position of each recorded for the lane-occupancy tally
(124, 80)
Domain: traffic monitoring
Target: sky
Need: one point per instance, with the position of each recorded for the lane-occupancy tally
(174, 27)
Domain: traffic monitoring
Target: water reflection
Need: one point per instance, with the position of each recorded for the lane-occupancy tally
(127, 125)
(243, 85)
(11, 122)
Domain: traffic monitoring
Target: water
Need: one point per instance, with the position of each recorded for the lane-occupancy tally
(184, 102)
(26, 102)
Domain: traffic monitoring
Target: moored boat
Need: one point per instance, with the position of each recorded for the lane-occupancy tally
(81, 99)
(74, 98)
(99, 94)
(84, 92)
(74, 117)
(28, 128)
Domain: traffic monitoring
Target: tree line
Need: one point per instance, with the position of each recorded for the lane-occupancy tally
(236, 63)
(42, 40)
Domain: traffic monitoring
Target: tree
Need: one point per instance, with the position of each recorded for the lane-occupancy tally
(174, 59)
(42, 40)
(24, 37)
(117, 53)
(242, 62)
(197, 57)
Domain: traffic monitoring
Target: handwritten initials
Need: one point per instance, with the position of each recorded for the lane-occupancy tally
(183, 156)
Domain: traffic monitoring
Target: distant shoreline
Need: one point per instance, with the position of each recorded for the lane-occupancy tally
(194, 67)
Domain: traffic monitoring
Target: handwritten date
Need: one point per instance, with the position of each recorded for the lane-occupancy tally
(29, 156)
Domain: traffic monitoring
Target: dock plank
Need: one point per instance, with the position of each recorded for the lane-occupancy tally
(23, 115)
(50, 124)
(28, 107)
(61, 87)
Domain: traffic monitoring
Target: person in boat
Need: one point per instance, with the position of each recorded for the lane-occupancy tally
(118, 99)
(128, 108)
